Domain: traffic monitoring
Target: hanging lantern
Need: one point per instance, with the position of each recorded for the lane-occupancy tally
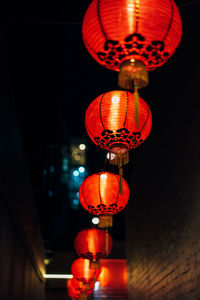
(81, 271)
(93, 244)
(99, 194)
(71, 290)
(111, 123)
(132, 36)
(83, 289)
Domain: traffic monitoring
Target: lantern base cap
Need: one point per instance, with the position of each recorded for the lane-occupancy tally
(94, 264)
(132, 72)
(118, 154)
(105, 221)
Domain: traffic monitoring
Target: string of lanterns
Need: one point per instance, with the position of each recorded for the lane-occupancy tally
(131, 37)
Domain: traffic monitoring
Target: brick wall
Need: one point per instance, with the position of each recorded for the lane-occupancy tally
(163, 225)
(163, 214)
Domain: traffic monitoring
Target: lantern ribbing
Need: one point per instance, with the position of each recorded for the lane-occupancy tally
(110, 119)
(82, 272)
(93, 243)
(99, 194)
(146, 30)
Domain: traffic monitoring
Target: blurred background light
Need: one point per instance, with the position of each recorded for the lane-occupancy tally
(95, 220)
(75, 173)
(81, 169)
(82, 147)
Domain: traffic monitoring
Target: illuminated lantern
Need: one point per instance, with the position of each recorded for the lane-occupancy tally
(93, 244)
(81, 271)
(111, 123)
(132, 36)
(71, 290)
(83, 288)
(99, 194)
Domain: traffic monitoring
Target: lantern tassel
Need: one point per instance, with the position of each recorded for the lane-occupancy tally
(132, 70)
(136, 99)
(120, 179)
(105, 221)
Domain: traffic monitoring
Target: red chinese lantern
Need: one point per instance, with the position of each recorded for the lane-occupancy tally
(93, 244)
(111, 123)
(81, 271)
(71, 290)
(99, 194)
(79, 288)
(82, 287)
(132, 36)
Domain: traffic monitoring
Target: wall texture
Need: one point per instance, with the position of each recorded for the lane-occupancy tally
(20, 277)
(21, 247)
(163, 245)
(163, 223)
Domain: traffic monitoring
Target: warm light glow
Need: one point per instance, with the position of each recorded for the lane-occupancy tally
(95, 220)
(130, 15)
(47, 261)
(91, 242)
(132, 60)
(130, 7)
(102, 186)
(86, 268)
(104, 276)
(114, 112)
(115, 99)
(125, 276)
(58, 276)
(82, 147)
(77, 157)
(103, 176)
